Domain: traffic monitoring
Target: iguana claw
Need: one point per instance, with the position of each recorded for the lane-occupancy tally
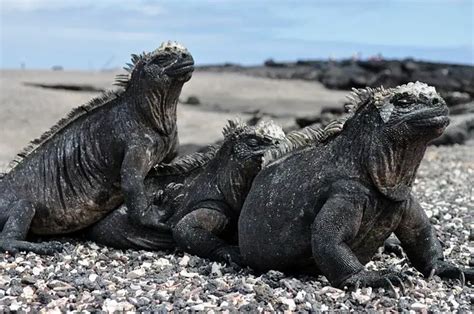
(382, 279)
(392, 288)
(446, 270)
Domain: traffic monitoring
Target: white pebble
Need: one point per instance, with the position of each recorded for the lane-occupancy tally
(136, 273)
(92, 277)
(184, 261)
(418, 306)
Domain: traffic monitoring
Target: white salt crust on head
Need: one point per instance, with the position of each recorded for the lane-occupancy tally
(270, 129)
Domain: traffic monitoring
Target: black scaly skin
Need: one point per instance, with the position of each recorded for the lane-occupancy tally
(98, 157)
(326, 209)
(203, 205)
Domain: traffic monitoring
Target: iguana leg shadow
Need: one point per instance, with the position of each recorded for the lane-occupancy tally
(15, 218)
(198, 233)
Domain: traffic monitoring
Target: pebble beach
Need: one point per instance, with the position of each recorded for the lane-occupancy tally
(90, 277)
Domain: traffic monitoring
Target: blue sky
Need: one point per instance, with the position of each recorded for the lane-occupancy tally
(97, 34)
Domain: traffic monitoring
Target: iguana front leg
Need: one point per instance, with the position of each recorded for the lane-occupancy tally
(336, 224)
(135, 167)
(16, 220)
(423, 248)
(198, 233)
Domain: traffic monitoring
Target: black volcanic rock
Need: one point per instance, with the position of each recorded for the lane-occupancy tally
(346, 74)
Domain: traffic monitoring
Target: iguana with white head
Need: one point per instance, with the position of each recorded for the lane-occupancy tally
(199, 196)
(98, 156)
(326, 209)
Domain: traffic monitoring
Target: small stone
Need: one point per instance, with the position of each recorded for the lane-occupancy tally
(186, 274)
(84, 263)
(332, 292)
(192, 100)
(37, 270)
(162, 262)
(300, 296)
(28, 280)
(198, 307)
(418, 306)
(92, 277)
(362, 296)
(136, 273)
(289, 302)
(216, 269)
(114, 306)
(184, 260)
(28, 292)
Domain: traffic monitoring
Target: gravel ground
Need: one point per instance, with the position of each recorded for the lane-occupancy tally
(91, 277)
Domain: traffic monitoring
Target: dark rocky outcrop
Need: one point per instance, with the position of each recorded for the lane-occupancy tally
(346, 74)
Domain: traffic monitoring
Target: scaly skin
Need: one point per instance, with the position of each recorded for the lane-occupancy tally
(201, 209)
(98, 157)
(327, 209)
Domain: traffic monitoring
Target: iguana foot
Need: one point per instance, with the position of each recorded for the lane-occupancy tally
(154, 217)
(169, 194)
(377, 279)
(449, 271)
(43, 248)
(229, 254)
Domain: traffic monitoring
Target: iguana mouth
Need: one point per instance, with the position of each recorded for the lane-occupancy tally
(432, 118)
(180, 68)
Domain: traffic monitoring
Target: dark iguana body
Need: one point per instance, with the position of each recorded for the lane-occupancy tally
(205, 204)
(98, 156)
(327, 209)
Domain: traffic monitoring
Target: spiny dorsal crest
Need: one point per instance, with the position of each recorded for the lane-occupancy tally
(73, 115)
(186, 164)
(308, 136)
(231, 131)
(123, 79)
(233, 127)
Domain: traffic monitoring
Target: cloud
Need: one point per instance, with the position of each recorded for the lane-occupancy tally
(36, 5)
(103, 35)
(143, 7)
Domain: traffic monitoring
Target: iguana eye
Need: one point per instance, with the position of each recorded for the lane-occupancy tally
(404, 102)
(253, 142)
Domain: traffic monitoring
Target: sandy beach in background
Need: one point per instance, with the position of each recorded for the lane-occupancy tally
(27, 111)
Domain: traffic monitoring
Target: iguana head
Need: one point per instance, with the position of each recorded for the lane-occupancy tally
(393, 127)
(246, 145)
(411, 111)
(170, 63)
(154, 82)
(240, 157)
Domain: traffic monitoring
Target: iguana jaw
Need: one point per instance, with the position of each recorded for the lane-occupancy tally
(435, 119)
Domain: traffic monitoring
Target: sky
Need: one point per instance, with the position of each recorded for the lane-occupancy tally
(101, 34)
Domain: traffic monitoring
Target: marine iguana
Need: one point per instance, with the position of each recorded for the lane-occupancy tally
(98, 156)
(200, 196)
(327, 208)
